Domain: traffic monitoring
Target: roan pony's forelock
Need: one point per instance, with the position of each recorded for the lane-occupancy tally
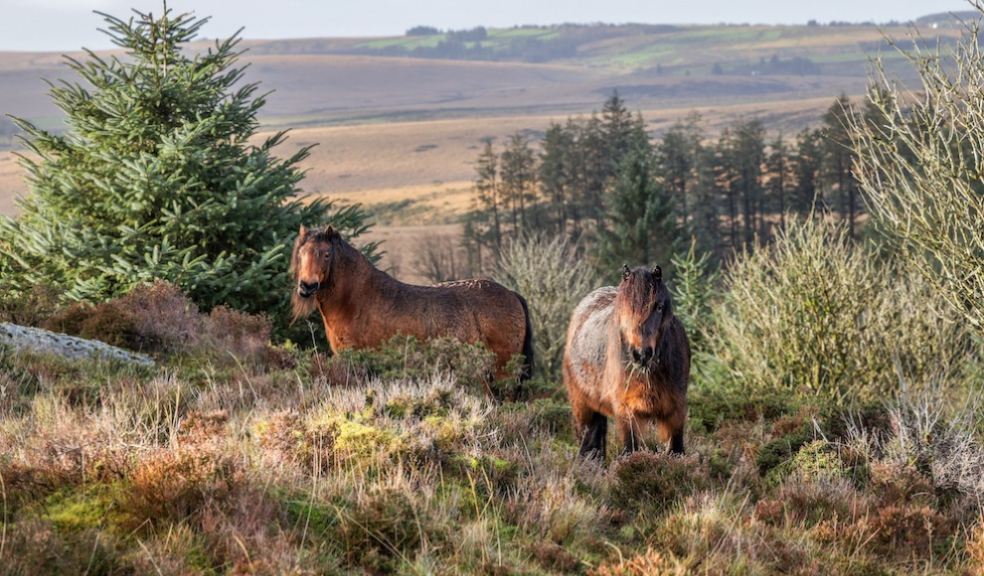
(639, 292)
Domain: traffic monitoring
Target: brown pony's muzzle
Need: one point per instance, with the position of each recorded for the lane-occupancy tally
(307, 289)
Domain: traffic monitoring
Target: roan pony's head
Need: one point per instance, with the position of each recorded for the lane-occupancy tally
(643, 310)
(312, 263)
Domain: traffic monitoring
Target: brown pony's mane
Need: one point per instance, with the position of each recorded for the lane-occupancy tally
(302, 307)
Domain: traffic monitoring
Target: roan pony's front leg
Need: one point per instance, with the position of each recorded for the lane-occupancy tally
(630, 431)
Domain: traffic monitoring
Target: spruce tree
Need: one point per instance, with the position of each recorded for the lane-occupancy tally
(488, 200)
(519, 178)
(839, 158)
(642, 227)
(156, 178)
(556, 173)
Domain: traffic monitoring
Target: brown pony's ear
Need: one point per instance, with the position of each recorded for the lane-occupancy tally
(303, 231)
(658, 273)
(625, 271)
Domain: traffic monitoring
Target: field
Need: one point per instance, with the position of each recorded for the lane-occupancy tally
(236, 456)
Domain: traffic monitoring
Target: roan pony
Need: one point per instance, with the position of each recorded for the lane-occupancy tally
(628, 358)
(363, 307)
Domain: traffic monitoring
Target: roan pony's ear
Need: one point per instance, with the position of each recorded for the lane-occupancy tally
(303, 231)
(625, 271)
(658, 273)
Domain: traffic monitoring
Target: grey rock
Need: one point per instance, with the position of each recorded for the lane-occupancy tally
(38, 340)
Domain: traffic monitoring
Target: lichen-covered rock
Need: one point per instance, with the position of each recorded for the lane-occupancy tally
(38, 340)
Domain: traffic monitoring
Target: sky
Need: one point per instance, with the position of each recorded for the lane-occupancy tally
(60, 25)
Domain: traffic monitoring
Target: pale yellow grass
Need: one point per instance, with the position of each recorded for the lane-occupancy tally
(401, 247)
(432, 162)
(11, 183)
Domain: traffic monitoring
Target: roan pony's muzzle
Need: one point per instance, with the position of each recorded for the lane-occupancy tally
(644, 356)
(307, 289)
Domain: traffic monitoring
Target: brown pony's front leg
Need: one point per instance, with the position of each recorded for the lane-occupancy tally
(630, 432)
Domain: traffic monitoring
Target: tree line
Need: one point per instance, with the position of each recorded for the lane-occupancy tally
(606, 183)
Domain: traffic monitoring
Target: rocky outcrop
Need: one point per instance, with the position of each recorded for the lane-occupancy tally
(38, 340)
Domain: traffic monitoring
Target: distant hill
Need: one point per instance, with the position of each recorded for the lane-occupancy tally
(948, 19)
(810, 49)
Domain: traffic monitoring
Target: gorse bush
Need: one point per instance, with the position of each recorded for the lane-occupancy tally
(694, 285)
(818, 316)
(156, 179)
(918, 164)
(553, 279)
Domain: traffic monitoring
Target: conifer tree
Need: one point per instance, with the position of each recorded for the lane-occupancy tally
(839, 158)
(679, 153)
(556, 173)
(807, 164)
(778, 167)
(518, 178)
(156, 178)
(642, 227)
(488, 188)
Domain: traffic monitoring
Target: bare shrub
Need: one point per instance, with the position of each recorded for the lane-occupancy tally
(929, 438)
(552, 278)
(918, 166)
(152, 317)
(159, 318)
(440, 259)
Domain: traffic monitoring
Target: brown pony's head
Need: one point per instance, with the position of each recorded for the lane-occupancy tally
(312, 263)
(643, 310)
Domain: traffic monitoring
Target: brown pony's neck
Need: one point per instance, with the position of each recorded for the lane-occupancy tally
(353, 281)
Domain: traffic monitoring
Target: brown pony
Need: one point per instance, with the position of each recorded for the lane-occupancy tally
(363, 307)
(628, 358)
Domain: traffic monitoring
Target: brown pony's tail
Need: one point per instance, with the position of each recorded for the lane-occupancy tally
(527, 368)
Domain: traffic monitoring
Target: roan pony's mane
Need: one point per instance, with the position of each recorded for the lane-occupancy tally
(639, 292)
